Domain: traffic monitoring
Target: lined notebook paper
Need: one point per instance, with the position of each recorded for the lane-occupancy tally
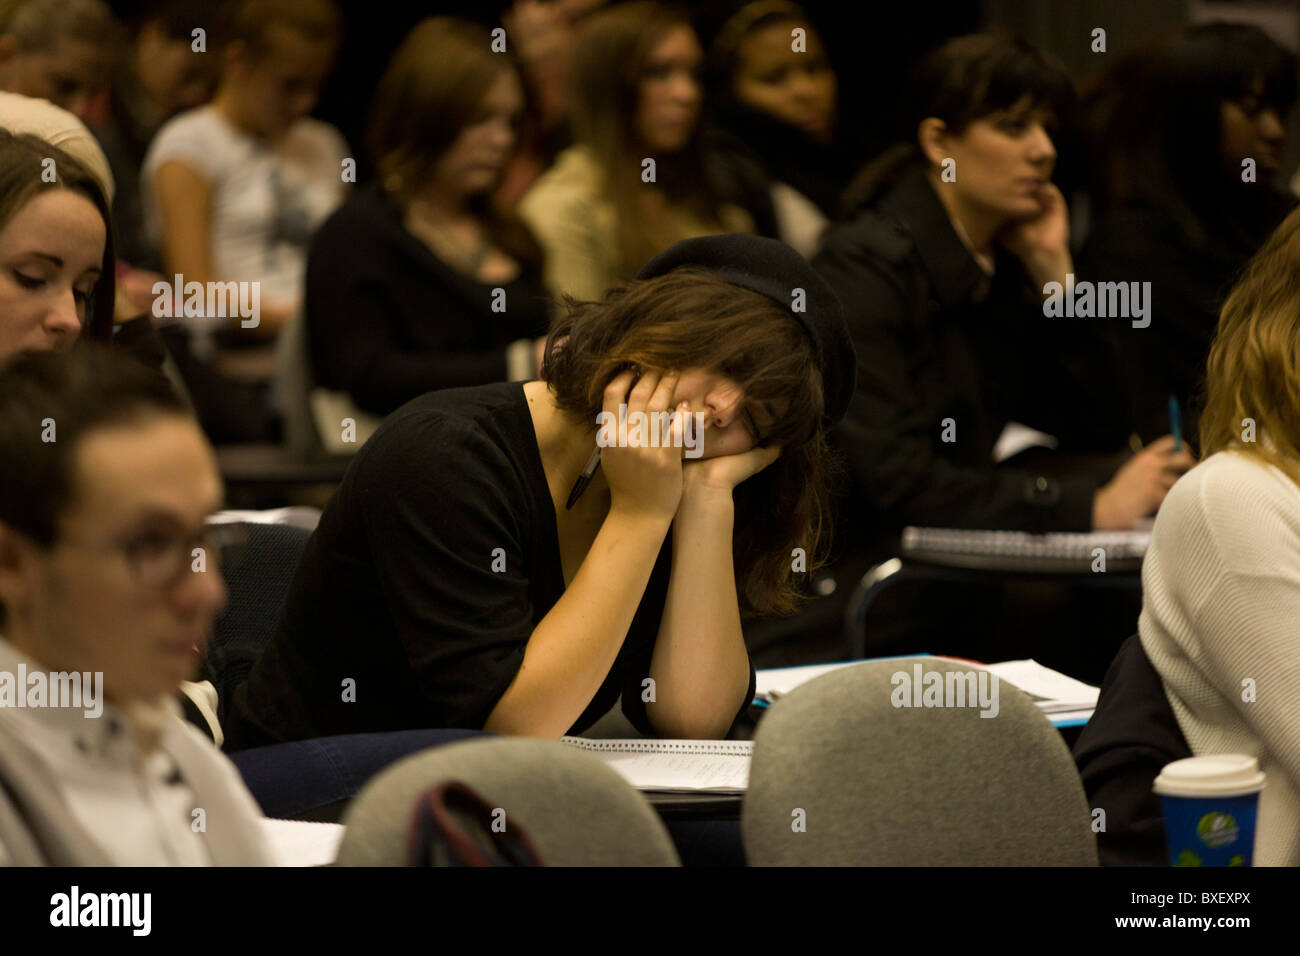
(675, 766)
(1056, 551)
(1062, 699)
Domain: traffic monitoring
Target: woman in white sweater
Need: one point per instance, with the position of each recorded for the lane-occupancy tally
(1221, 613)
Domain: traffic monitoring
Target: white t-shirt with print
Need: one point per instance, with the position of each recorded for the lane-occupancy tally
(267, 201)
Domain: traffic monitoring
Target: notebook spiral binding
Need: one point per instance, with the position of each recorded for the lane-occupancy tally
(738, 748)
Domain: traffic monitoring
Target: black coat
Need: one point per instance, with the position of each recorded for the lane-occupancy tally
(937, 340)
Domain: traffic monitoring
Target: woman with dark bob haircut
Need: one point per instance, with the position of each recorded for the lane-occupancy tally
(954, 240)
(481, 567)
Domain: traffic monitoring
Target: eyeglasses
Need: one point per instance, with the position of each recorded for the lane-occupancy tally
(160, 559)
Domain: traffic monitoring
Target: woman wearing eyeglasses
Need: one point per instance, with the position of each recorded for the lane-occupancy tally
(106, 483)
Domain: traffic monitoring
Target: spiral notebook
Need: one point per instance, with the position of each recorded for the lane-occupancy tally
(675, 766)
(1022, 551)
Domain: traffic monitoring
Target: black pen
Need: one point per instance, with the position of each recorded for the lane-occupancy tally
(584, 479)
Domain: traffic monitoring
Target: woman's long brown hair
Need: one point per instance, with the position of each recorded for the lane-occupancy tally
(431, 90)
(608, 66)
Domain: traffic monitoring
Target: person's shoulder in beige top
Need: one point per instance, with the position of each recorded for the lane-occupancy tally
(574, 225)
(577, 226)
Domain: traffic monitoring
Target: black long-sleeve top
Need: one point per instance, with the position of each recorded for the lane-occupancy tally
(936, 340)
(387, 320)
(430, 568)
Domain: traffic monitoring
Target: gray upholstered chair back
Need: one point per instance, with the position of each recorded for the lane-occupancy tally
(842, 776)
(576, 810)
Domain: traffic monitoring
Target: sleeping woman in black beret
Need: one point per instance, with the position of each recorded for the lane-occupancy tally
(469, 574)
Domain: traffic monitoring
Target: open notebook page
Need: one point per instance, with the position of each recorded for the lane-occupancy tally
(675, 766)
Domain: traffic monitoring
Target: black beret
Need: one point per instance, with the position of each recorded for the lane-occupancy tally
(772, 268)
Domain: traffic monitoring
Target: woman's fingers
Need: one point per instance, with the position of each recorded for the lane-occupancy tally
(616, 390)
(642, 390)
(644, 469)
(677, 428)
(1163, 444)
(662, 396)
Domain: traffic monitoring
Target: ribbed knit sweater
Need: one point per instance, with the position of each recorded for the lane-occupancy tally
(1221, 624)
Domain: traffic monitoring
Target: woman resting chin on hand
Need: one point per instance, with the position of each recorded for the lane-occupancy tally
(451, 576)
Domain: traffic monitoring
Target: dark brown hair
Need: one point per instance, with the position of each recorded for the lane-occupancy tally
(964, 80)
(690, 319)
(432, 89)
(1155, 129)
(22, 169)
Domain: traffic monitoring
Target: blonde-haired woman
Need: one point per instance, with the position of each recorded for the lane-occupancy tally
(1221, 613)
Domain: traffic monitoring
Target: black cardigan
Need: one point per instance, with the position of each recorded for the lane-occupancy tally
(387, 320)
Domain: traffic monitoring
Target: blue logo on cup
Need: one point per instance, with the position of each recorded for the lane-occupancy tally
(1217, 829)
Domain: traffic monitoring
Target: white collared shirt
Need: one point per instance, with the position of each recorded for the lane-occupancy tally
(138, 814)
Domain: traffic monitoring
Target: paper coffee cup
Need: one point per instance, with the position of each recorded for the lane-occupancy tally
(1210, 806)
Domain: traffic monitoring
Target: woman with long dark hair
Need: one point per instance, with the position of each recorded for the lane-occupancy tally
(636, 180)
(1187, 139)
(418, 282)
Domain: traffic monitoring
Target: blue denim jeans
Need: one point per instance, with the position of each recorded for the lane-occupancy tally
(293, 779)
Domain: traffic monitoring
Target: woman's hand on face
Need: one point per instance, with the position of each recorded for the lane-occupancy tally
(644, 480)
(725, 472)
(1042, 243)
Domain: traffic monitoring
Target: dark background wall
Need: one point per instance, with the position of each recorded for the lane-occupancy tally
(872, 44)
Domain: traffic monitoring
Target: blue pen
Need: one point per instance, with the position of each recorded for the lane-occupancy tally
(1175, 423)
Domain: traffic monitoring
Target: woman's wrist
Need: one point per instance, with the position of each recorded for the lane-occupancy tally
(1050, 266)
(697, 489)
(638, 518)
